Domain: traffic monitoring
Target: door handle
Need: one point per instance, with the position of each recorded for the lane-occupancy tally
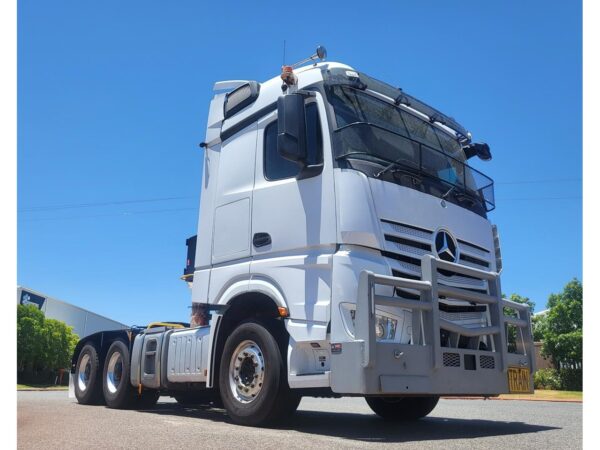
(261, 239)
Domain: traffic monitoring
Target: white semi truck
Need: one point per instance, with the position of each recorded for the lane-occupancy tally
(343, 249)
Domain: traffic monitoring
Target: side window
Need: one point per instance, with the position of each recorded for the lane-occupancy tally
(276, 167)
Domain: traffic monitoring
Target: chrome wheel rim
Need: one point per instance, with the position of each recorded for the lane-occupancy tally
(246, 372)
(114, 372)
(83, 372)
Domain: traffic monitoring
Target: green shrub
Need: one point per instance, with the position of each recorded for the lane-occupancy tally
(43, 345)
(571, 379)
(547, 379)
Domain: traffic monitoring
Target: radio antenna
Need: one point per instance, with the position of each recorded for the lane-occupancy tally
(283, 62)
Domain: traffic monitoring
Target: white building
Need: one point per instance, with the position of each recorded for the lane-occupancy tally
(83, 322)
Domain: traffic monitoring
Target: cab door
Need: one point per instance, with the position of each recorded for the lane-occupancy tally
(231, 244)
(293, 220)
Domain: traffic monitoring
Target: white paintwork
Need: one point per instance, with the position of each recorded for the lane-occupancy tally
(357, 220)
(84, 322)
(309, 381)
(325, 230)
(235, 180)
(228, 85)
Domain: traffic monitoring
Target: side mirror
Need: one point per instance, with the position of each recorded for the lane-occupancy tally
(481, 150)
(291, 128)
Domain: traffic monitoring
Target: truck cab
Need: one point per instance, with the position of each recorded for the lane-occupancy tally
(343, 248)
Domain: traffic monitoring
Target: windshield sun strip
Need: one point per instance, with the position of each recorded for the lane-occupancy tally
(440, 125)
(389, 101)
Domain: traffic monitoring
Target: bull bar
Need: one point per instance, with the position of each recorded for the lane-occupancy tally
(424, 366)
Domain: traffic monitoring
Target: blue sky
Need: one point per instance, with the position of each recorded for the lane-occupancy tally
(113, 98)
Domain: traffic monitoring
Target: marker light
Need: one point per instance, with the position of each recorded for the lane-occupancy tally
(288, 76)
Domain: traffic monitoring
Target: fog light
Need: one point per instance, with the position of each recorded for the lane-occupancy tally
(385, 327)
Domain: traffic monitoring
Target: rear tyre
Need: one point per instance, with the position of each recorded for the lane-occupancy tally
(402, 408)
(118, 391)
(253, 377)
(88, 373)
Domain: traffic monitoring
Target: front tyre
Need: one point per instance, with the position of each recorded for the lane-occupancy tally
(253, 377)
(402, 408)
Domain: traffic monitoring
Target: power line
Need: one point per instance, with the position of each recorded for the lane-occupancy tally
(166, 199)
(539, 198)
(556, 180)
(122, 214)
(106, 203)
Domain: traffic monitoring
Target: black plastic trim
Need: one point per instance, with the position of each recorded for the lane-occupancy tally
(415, 244)
(239, 126)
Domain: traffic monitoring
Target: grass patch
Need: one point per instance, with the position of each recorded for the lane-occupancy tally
(547, 394)
(41, 387)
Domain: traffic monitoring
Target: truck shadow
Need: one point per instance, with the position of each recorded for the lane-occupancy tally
(368, 427)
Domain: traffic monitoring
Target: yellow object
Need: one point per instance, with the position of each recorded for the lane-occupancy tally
(518, 380)
(165, 324)
(283, 311)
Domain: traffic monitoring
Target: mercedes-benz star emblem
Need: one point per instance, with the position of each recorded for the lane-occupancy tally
(445, 246)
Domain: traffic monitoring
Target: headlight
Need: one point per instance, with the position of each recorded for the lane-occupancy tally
(385, 326)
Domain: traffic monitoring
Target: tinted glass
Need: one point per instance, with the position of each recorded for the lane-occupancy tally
(276, 167)
(351, 106)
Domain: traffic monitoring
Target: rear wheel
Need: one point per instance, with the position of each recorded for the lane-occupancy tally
(88, 383)
(402, 408)
(118, 391)
(253, 377)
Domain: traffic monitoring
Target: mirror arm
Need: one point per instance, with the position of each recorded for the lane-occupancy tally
(309, 170)
(305, 93)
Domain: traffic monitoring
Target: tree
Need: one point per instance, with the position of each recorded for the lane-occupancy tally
(563, 329)
(42, 344)
(30, 324)
(511, 330)
(538, 323)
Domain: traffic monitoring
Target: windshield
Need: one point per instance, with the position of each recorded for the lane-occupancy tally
(376, 130)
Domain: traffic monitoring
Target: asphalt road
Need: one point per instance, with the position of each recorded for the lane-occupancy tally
(50, 420)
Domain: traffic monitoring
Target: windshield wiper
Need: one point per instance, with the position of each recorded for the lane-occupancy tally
(448, 192)
(460, 196)
(345, 155)
(393, 164)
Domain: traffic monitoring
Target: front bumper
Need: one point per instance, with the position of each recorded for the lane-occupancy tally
(423, 367)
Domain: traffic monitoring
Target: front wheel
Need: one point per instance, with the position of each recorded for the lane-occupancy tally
(253, 377)
(402, 408)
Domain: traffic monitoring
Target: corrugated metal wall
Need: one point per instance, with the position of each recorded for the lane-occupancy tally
(84, 322)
